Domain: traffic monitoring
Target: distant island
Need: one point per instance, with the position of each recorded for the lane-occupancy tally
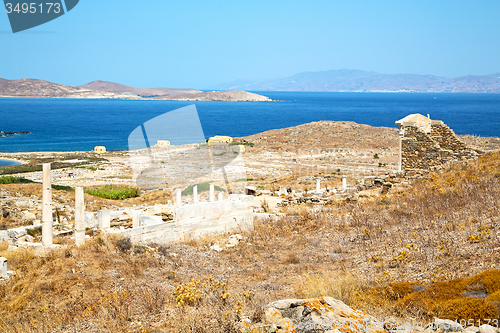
(111, 90)
(346, 80)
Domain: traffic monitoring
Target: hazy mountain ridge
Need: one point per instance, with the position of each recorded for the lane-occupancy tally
(363, 81)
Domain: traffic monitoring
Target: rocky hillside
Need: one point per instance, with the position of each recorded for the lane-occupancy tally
(110, 90)
(42, 88)
(121, 88)
(217, 96)
(346, 134)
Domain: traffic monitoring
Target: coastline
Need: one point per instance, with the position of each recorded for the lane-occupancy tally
(9, 162)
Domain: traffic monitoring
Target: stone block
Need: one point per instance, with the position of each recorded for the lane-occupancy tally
(150, 220)
(28, 215)
(3, 267)
(90, 220)
(4, 235)
(104, 219)
(18, 232)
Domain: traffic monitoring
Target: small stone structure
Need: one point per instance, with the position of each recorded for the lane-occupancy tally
(427, 144)
(163, 143)
(220, 139)
(99, 149)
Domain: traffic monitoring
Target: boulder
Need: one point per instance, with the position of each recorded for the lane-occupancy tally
(445, 325)
(324, 314)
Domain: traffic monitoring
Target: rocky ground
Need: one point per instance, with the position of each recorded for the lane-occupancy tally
(392, 255)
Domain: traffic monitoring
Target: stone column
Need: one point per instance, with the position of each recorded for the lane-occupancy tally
(104, 219)
(221, 196)
(47, 232)
(178, 196)
(135, 219)
(318, 185)
(79, 216)
(3, 267)
(195, 194)
(212, 193)
(344, 183)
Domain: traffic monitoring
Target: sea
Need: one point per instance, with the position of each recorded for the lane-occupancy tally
(81, 124)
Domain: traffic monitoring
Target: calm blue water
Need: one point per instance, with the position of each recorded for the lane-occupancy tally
(70, 125)
(4, 163)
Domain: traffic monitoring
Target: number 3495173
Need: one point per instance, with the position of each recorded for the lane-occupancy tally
(33, 8)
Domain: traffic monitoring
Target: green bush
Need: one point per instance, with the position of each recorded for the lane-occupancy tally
(36, 231)
(114, 192)
(201, 188)
(62, 188)
(14, 180)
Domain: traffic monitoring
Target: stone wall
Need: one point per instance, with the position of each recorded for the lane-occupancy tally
(428, 150)
(197, 220)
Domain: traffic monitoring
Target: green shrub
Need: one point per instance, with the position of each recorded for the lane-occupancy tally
(62, 188)
(14, 180)
(201, 188)
(114, 192)
(33, 232)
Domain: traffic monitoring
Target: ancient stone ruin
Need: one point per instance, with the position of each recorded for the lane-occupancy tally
(427, 144)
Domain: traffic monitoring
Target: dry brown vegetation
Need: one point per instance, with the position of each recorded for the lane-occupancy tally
(411, 254)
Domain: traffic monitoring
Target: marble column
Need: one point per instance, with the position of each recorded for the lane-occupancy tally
(212, 193)
(195, 194)
(47, 232)
(79, 216)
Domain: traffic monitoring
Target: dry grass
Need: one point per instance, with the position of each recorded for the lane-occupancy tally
(369, 254)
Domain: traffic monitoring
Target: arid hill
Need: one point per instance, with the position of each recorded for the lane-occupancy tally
(345, 134)
(111, 90)
(121, 88)
(42, 88)
(215, 96)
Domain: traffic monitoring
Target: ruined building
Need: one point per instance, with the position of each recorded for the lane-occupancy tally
(427, 144)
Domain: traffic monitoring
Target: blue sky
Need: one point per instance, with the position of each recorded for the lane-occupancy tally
(197, 44)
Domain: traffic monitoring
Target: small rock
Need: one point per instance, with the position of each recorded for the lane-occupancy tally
(216, 248)
(485, 328)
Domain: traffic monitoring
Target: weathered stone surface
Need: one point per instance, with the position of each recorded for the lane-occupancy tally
(28, 215)
(485, 328)
(428, 144)
(18, 232)
(445, 325)
(4, 235)
(324, 314)
(149, 219)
